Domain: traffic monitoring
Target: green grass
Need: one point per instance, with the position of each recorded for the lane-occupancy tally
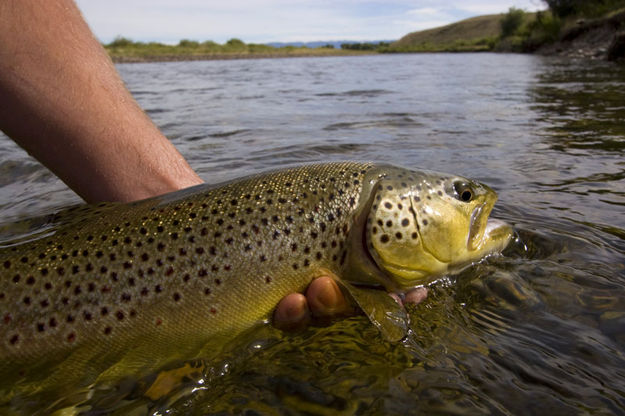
(474, 34)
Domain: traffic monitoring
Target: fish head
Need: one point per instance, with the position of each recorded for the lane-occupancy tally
(424, 224)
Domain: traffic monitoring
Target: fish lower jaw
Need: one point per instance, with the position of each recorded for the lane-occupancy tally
(497, 235)
(407, 278)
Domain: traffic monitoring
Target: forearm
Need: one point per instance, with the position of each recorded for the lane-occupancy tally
(62, 100)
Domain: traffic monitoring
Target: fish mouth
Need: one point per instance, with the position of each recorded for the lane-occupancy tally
(477, 227)
(486, 234)
(495, 238)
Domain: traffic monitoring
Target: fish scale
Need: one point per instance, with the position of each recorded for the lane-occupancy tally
(120, 290)
(174, 270)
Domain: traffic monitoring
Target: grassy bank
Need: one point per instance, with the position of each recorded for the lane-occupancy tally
(586, 28)
(126, 50)
(471, 35)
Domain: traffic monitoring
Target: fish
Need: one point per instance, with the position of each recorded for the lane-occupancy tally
(116, 290)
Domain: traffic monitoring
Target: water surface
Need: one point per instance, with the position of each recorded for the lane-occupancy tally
(538, 331)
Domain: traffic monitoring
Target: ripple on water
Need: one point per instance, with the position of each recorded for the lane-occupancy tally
(537, 331)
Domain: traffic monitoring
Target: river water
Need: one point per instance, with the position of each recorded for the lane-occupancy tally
(540, 330)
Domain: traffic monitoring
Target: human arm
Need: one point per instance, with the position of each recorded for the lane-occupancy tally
(62, 100)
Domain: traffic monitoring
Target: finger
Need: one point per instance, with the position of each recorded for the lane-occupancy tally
(292, 312)
(416, 295)
(325, 298)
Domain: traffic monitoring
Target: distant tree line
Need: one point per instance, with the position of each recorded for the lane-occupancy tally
(364, 46)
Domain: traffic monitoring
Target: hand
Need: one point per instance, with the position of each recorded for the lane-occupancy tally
(324, 299)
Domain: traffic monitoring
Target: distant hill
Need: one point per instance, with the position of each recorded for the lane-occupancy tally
(475, 33)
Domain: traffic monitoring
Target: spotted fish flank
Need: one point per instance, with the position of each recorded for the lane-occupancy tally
(123, 288)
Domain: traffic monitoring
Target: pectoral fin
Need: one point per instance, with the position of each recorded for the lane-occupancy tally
(381, 309)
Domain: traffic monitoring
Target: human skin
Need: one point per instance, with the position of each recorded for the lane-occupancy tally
(62, 100)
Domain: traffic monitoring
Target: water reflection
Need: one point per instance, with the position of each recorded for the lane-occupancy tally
(584, 106)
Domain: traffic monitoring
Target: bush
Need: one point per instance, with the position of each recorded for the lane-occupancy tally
(511, 22)
(186, 43)
(235, 43)
(120, 42)
(544, 29)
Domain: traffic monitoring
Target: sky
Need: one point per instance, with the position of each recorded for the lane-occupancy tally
(262, 21)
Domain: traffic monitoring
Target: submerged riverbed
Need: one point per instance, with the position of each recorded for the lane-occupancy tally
(540, 330)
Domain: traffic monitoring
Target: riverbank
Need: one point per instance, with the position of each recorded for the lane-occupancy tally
(602, 38)
(118, 58)
(124, 50)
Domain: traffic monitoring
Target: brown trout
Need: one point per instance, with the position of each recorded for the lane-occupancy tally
(120, 289)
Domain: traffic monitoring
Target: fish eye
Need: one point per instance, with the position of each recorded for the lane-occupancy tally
(464, 192)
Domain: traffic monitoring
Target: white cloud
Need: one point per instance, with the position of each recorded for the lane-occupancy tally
(424, 11)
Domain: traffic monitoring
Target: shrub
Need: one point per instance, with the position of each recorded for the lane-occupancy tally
(186, 43)
(120, 42)
(544, 29)
(511, 22)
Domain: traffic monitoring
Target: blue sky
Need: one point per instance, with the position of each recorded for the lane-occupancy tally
(280, 20)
